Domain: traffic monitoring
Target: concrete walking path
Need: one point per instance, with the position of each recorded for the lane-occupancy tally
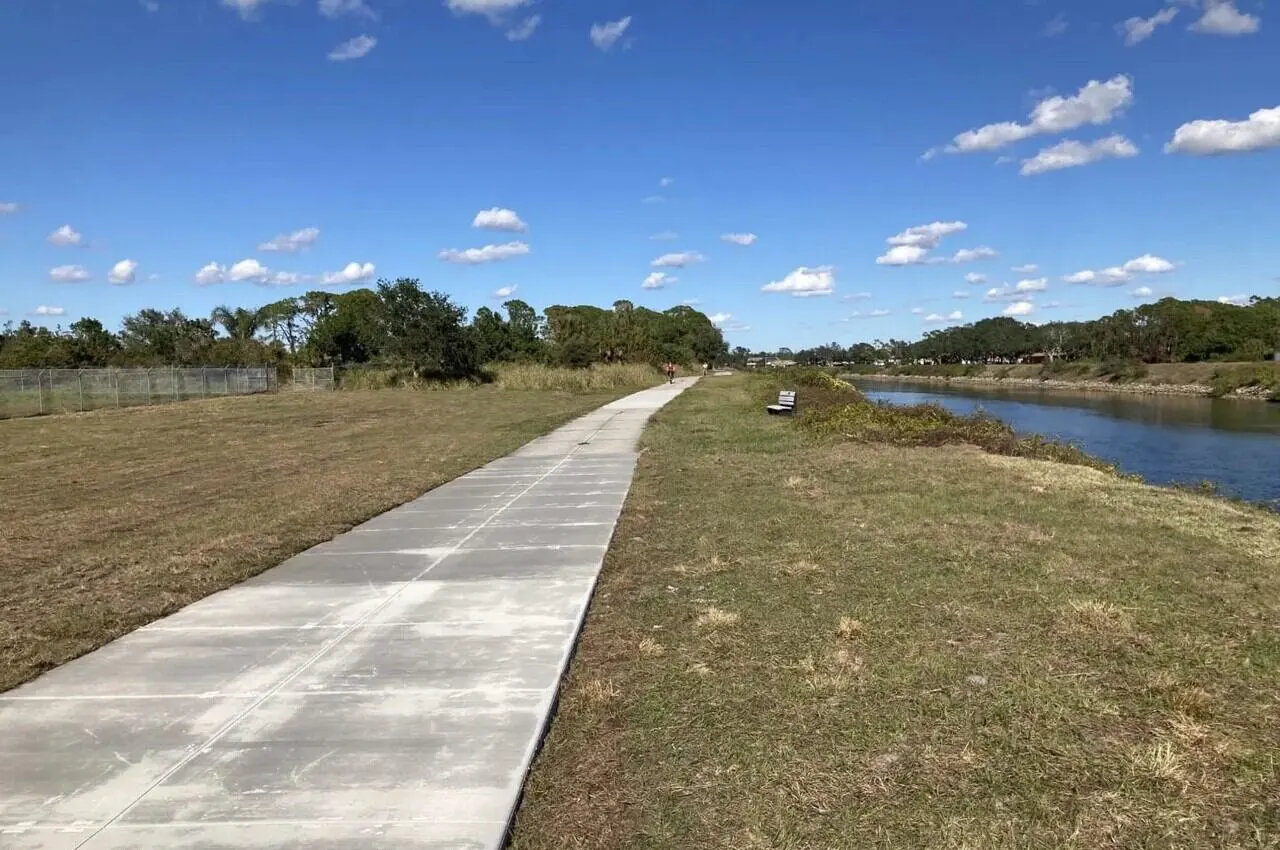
(386, 689)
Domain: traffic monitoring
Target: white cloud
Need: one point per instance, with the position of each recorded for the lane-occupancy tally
(1221, 17)
(491, 9)
(150, 5)
(665, 236)
(1136, 30)
(248, 270)
(805, 282)
(210, 274)
(998, 293)
(65, 235)
(8, 207)
(653, 199)
(917, 311)
(524, 30)
(938, 318)
(1235, 300)
(1037, 285)
(726, 322)
(1142, 292)
(248, 9)
(1028, 268)
(974, 277)
(869, 314)
(1148, 264)
(743, 239)
(1096, 103)
(355, 48)
(1116, 275)
(678, 260)
(903, 255)
(46, 310)
(338, 8)
(604, 36)
(1259, 131)
(505, 291)
(125, 271)
(960, 293)
(666, 182)
(288, 243)
(927, 235)
(912, 246)
(1057, 26)
(1020, 308)
(69, 274)
(487, 254)
(352, 273)
(1071, 154)
(657, 280)
(856, 296)
(497, 218)
(970, 255)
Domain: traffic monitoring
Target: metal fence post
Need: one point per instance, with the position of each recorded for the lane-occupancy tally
(226, 381)
(116, 375)
(204, 380)
(148, 385)
(40, 389)
(173, 381)
(80, 387)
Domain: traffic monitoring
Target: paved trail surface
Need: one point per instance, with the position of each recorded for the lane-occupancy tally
(384, 690)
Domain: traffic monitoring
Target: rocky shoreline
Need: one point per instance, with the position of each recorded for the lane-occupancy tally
(1132, 388)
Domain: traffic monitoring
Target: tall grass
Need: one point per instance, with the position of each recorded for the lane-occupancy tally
(832, 407)
(510, 376)
(611, 376)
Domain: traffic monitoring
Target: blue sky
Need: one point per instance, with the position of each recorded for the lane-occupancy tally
(160, 138)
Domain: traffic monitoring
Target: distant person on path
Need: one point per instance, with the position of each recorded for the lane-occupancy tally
(670, 369)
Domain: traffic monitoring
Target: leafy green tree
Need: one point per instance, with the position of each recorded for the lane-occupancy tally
(427, 331)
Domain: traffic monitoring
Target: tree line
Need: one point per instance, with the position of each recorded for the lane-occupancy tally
(1167, 331)
(397, 324)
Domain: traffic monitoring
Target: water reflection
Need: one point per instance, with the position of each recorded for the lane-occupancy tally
(1165, 439)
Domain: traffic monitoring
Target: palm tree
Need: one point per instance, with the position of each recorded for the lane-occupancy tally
(238, 323)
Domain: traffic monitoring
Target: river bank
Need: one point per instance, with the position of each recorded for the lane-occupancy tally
(1253, 392)
(811, 641)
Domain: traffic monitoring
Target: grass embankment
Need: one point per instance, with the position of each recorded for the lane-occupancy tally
(115, 518)
(806, 641)
(512, 376)
(1241, 380)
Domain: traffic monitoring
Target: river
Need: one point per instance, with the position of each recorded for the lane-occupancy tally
(1165, 439)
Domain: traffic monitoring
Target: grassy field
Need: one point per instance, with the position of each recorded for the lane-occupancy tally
(805, 642)
(115, 518)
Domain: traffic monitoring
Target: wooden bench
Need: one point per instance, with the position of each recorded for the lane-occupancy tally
(786, 405)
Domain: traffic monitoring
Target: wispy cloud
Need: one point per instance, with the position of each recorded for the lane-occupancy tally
(605, 36)
(487, 254)
(356, 48)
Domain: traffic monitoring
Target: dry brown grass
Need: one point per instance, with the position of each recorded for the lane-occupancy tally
(115, 518)
(1044, 656)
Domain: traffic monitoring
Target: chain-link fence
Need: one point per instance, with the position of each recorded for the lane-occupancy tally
(35, 392)
(305, 379)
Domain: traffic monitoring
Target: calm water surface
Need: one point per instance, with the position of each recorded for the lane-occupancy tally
(1165, 439)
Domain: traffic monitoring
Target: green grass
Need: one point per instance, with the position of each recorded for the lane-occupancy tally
(809, 641)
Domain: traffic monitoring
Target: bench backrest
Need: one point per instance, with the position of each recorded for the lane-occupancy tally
(787, 398)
